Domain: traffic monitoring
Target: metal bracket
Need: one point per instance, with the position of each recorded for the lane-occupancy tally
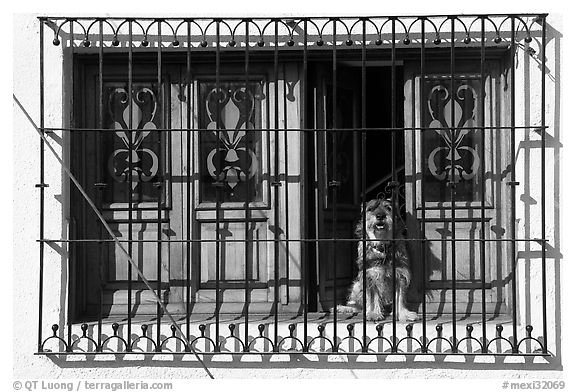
(391, 186)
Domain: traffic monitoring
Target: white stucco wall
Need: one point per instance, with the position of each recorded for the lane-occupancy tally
(25, 271)
(528, 164)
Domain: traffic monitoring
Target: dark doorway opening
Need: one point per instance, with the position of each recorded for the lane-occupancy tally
(381, 152)
(384, 111)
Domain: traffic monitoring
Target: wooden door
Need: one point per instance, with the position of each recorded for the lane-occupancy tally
(124, 172)
(430, 168)
(338, 207)
(228, 158)
(214, 145)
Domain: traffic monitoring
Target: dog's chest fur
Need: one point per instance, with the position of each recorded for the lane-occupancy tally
(378, 254)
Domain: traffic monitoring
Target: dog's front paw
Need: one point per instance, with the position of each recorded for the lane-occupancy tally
(347, 309)
(407, 315)
(374, 316)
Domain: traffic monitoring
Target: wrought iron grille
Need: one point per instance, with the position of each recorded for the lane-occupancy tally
(219, 167)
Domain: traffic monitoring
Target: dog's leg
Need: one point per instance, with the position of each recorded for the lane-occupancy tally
(374, 294)
(403, 313)
(374, 311)
(354, 304)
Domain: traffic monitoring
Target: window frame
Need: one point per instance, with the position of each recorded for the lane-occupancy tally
(512, 67)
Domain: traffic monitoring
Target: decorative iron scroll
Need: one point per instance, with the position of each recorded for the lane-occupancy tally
(320, 31)
(262, 342)
(452, 144)
(132, 156)
(231, 154)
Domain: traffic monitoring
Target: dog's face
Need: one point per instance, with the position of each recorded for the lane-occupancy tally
(379, 218)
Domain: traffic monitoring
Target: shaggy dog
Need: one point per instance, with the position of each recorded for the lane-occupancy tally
(379, 286)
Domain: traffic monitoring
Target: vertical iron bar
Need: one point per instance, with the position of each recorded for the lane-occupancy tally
(304, 96)
(194, 187)
(286, 184)
(395, 183)
(422, 175)
(160, 189)
(363, 179)
(482, 180)
(452, 177)
(543, 186)
(189, 203)
(247, 201)
(276, 185)
(41, 228)
(334, 185)
(513, 178)
(129, 193)
(99, 188)
(218, 187)
(72, 123)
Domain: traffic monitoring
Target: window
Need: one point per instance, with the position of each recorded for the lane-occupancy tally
(231, 159)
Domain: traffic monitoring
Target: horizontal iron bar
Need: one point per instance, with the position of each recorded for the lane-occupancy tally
(450, 353)
(358, 129)
(290, 17)
(305, 240)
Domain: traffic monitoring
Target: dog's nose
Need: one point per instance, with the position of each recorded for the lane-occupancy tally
(380, 216)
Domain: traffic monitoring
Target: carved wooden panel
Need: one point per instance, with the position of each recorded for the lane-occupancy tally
(452, 145)
(124, 149)
(231, 151)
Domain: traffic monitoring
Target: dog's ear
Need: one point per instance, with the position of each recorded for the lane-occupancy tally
(396, 210)
(371, 205)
